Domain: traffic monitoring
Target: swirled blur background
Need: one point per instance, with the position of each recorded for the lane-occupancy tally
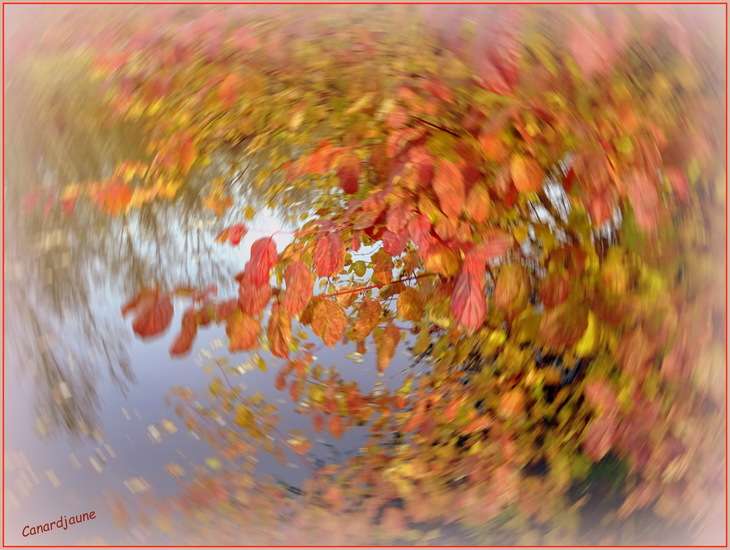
(570, 159)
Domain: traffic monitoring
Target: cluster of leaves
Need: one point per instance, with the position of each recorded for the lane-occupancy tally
(508, 196)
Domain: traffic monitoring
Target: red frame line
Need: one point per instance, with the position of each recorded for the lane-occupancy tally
(4, 236)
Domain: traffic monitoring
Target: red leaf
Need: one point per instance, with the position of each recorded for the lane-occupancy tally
(263, 257)
(395, 243)
(223, 310)
(468, 302)
(419, 229)
(143, 296)
(348, 170)
(448, 183)
(397, 118)
(279, 332)
(242, 330)
(299, 287)
(184, 341)
(399, 215)
(154, 315)
(232, 234)
(496, 243)
(318, 422)
(329, 255)
(252, 298)
(400, 141)
(423, 165)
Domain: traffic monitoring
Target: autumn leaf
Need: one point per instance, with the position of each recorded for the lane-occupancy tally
(478, 204)
(563, 326)
(526, 173)
(495, 244)
(329, 321)
(279, 332)
(263, 257)
(395, 243)
(348, 170)
(117, 196)
(468, 301)
(329, 255)
(644, 199)
(242, 330)
(336, 426)
(368, 318)
(253, 298)
(442, 259)
(410, 305)
(386, 341)
(299, 287)
(185, 339)
(398, 216)
(232, 234)
(448, 183)
(512, 288)
(599, 438)
(229, 90)
(154, 313)
(554, 289)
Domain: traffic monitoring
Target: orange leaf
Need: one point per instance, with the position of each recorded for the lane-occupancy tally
(229, 90)
(253, 298)
(526, 173)
(482, 422)
(554, 289)
(336, 427)
(478, 204)
(448, 183)
(468, 302)
(386, 341)
(279, 332)
(368, 318)
(329, 321)
(263, 257)
(329, 255)
(187, 154)
(563, 326)
(410, 305)
(511, 291)
(318, 422)
(242, 330)
(184, 341)
(299, 287)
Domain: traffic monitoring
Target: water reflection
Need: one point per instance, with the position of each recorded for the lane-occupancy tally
(69, 272)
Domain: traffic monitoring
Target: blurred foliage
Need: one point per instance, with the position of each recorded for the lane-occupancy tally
(533, 192)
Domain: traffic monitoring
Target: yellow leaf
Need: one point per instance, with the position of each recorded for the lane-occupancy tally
(587, 343)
